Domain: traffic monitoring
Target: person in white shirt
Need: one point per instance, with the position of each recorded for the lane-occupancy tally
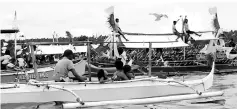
(122, 55)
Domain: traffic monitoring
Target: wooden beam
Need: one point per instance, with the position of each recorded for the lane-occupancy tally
(7, 31)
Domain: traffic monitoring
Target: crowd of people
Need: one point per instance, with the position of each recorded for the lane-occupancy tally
(159, 55)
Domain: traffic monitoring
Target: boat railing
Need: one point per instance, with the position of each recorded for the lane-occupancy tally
(178, 63)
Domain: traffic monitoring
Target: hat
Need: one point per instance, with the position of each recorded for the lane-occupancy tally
(68, 52)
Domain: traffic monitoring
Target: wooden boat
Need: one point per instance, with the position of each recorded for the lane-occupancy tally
(140, 88)
(84, 94)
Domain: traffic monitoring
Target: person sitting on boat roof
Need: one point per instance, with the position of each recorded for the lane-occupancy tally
(102, 76)
(128, 72)
(175, 32)
(63, 67)
(187, 30)
(118, 30)
(119, 74)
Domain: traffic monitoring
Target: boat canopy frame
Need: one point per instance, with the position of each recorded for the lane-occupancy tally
(33, 55)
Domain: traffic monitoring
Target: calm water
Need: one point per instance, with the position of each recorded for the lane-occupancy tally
(225, 82)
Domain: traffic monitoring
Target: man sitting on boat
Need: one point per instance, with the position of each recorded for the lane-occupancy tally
(122, 55)
(102, 76)
(187, 30)
(120, 33)
(63, 67)
(119, 29)
(128, 72)
(175, 32)
(119, 75)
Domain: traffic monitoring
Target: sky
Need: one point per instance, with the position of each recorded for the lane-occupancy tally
(38, 19)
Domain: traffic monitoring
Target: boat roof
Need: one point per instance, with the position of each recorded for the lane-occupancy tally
(159, 41)
(59, 49)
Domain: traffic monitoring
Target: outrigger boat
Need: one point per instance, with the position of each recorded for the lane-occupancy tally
(85, 94)
(46, 73)
(94, 93)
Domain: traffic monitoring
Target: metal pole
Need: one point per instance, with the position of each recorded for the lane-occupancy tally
(184, 49)
(112, 45)
(53, 35)
(183, 36)
(15, 48)
(88, 59)
(34, 62)
(150, 44)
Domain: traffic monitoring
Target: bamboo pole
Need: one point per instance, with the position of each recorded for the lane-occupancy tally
(15, 44)
(53, 35)
(46, 43)
(183, 36)
(184, 49)
(150, 44)
(89, 58)
(34, 62)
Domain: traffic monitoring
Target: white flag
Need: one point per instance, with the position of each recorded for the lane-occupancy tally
(15, 21)
(213, 10)
(211, 47)
(214, 22)
(110, 10)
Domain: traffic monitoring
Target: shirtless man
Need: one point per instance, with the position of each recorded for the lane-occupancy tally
(118, 30)
(119, 75)
(175, 32)
(63, 67)
(187, 30)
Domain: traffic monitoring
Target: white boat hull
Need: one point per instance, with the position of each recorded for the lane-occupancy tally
(94, 91)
